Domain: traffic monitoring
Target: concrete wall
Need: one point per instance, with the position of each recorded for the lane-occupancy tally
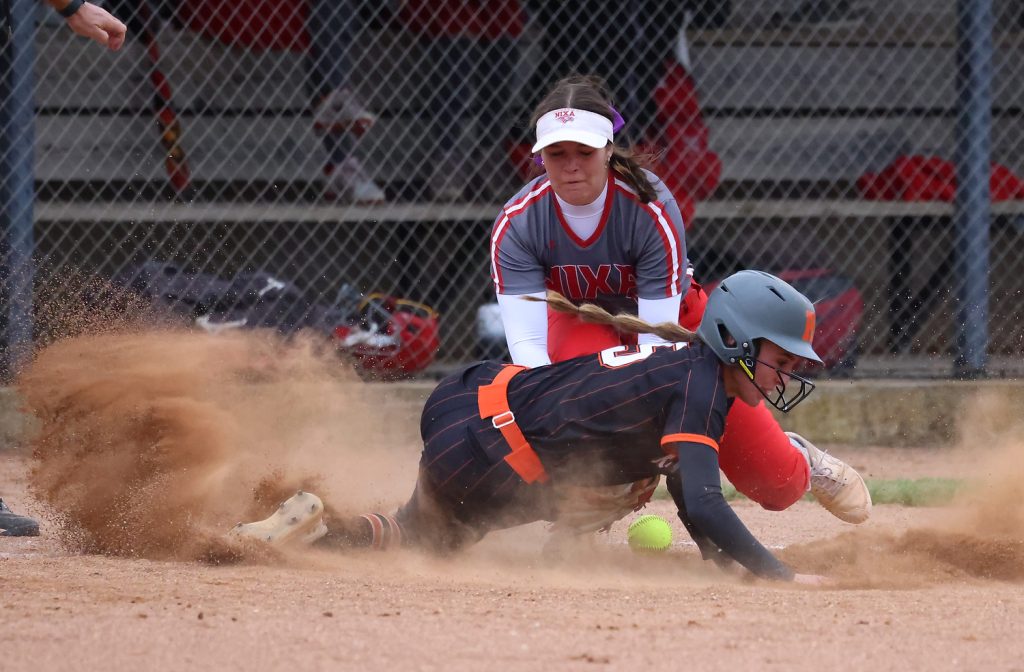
(891, 413)
(863, 412)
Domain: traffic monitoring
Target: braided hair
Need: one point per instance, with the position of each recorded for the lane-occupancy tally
(624, 322)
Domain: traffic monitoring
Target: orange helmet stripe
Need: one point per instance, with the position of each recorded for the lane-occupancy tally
(809, 327)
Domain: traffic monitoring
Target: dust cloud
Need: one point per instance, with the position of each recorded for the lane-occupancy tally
(979, 536)
(153, 442)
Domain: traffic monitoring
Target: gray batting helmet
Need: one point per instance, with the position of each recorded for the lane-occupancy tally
(750, 305)
(753, 304)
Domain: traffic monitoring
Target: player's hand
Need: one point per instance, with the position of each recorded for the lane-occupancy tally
(98, 24)
(813, 580)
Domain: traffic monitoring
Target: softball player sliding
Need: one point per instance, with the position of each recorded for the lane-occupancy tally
(503, 442)
(598, 227)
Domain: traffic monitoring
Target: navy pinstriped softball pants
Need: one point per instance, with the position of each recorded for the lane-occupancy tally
(465, 488)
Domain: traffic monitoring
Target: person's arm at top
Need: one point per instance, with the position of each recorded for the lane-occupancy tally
(92, 21)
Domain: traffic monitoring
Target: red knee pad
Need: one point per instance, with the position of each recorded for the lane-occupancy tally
(757, 458)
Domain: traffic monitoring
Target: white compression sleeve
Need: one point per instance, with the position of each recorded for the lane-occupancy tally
(526, 328)
(655, 311)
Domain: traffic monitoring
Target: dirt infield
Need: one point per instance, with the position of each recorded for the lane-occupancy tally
(148, 449)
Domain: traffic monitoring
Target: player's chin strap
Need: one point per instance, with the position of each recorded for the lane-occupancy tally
(779, 399)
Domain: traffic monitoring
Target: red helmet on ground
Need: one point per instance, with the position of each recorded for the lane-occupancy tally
(393, 338)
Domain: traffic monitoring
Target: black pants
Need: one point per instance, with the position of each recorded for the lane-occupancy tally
(465, 488)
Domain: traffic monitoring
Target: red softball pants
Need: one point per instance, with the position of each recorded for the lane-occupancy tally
(754, 454)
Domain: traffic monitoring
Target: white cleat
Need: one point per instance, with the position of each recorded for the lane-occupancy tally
(836, 485)
(299, 519)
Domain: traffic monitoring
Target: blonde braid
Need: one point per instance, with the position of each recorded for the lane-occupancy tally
(624, 322)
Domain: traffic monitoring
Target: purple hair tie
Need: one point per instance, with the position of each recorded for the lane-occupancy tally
(617, 121)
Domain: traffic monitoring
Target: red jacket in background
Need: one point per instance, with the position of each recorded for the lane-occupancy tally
(261, 25)
(482, 19)
(280, 25)
(690, 169)
(931, 178)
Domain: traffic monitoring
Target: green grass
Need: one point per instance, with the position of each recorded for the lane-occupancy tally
(915, 492)
(903, 491)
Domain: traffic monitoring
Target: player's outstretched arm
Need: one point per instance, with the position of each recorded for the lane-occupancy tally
(712, 516)
(92, 21)
(708, 550)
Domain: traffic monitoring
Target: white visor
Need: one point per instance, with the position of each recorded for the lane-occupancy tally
(569, 124)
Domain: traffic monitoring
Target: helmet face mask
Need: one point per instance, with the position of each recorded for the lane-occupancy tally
(779, 399)
(751, 306)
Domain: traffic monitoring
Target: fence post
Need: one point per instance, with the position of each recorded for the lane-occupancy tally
(17, 137)
(972, 211)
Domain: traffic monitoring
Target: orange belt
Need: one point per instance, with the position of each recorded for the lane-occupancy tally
(493, 402)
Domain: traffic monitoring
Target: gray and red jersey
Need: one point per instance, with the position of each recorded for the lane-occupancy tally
(637, 250)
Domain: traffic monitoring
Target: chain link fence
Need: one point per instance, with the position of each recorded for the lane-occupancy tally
(368, 146)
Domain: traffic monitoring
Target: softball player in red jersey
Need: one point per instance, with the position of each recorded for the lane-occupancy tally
(597, 227)
(502, 443)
